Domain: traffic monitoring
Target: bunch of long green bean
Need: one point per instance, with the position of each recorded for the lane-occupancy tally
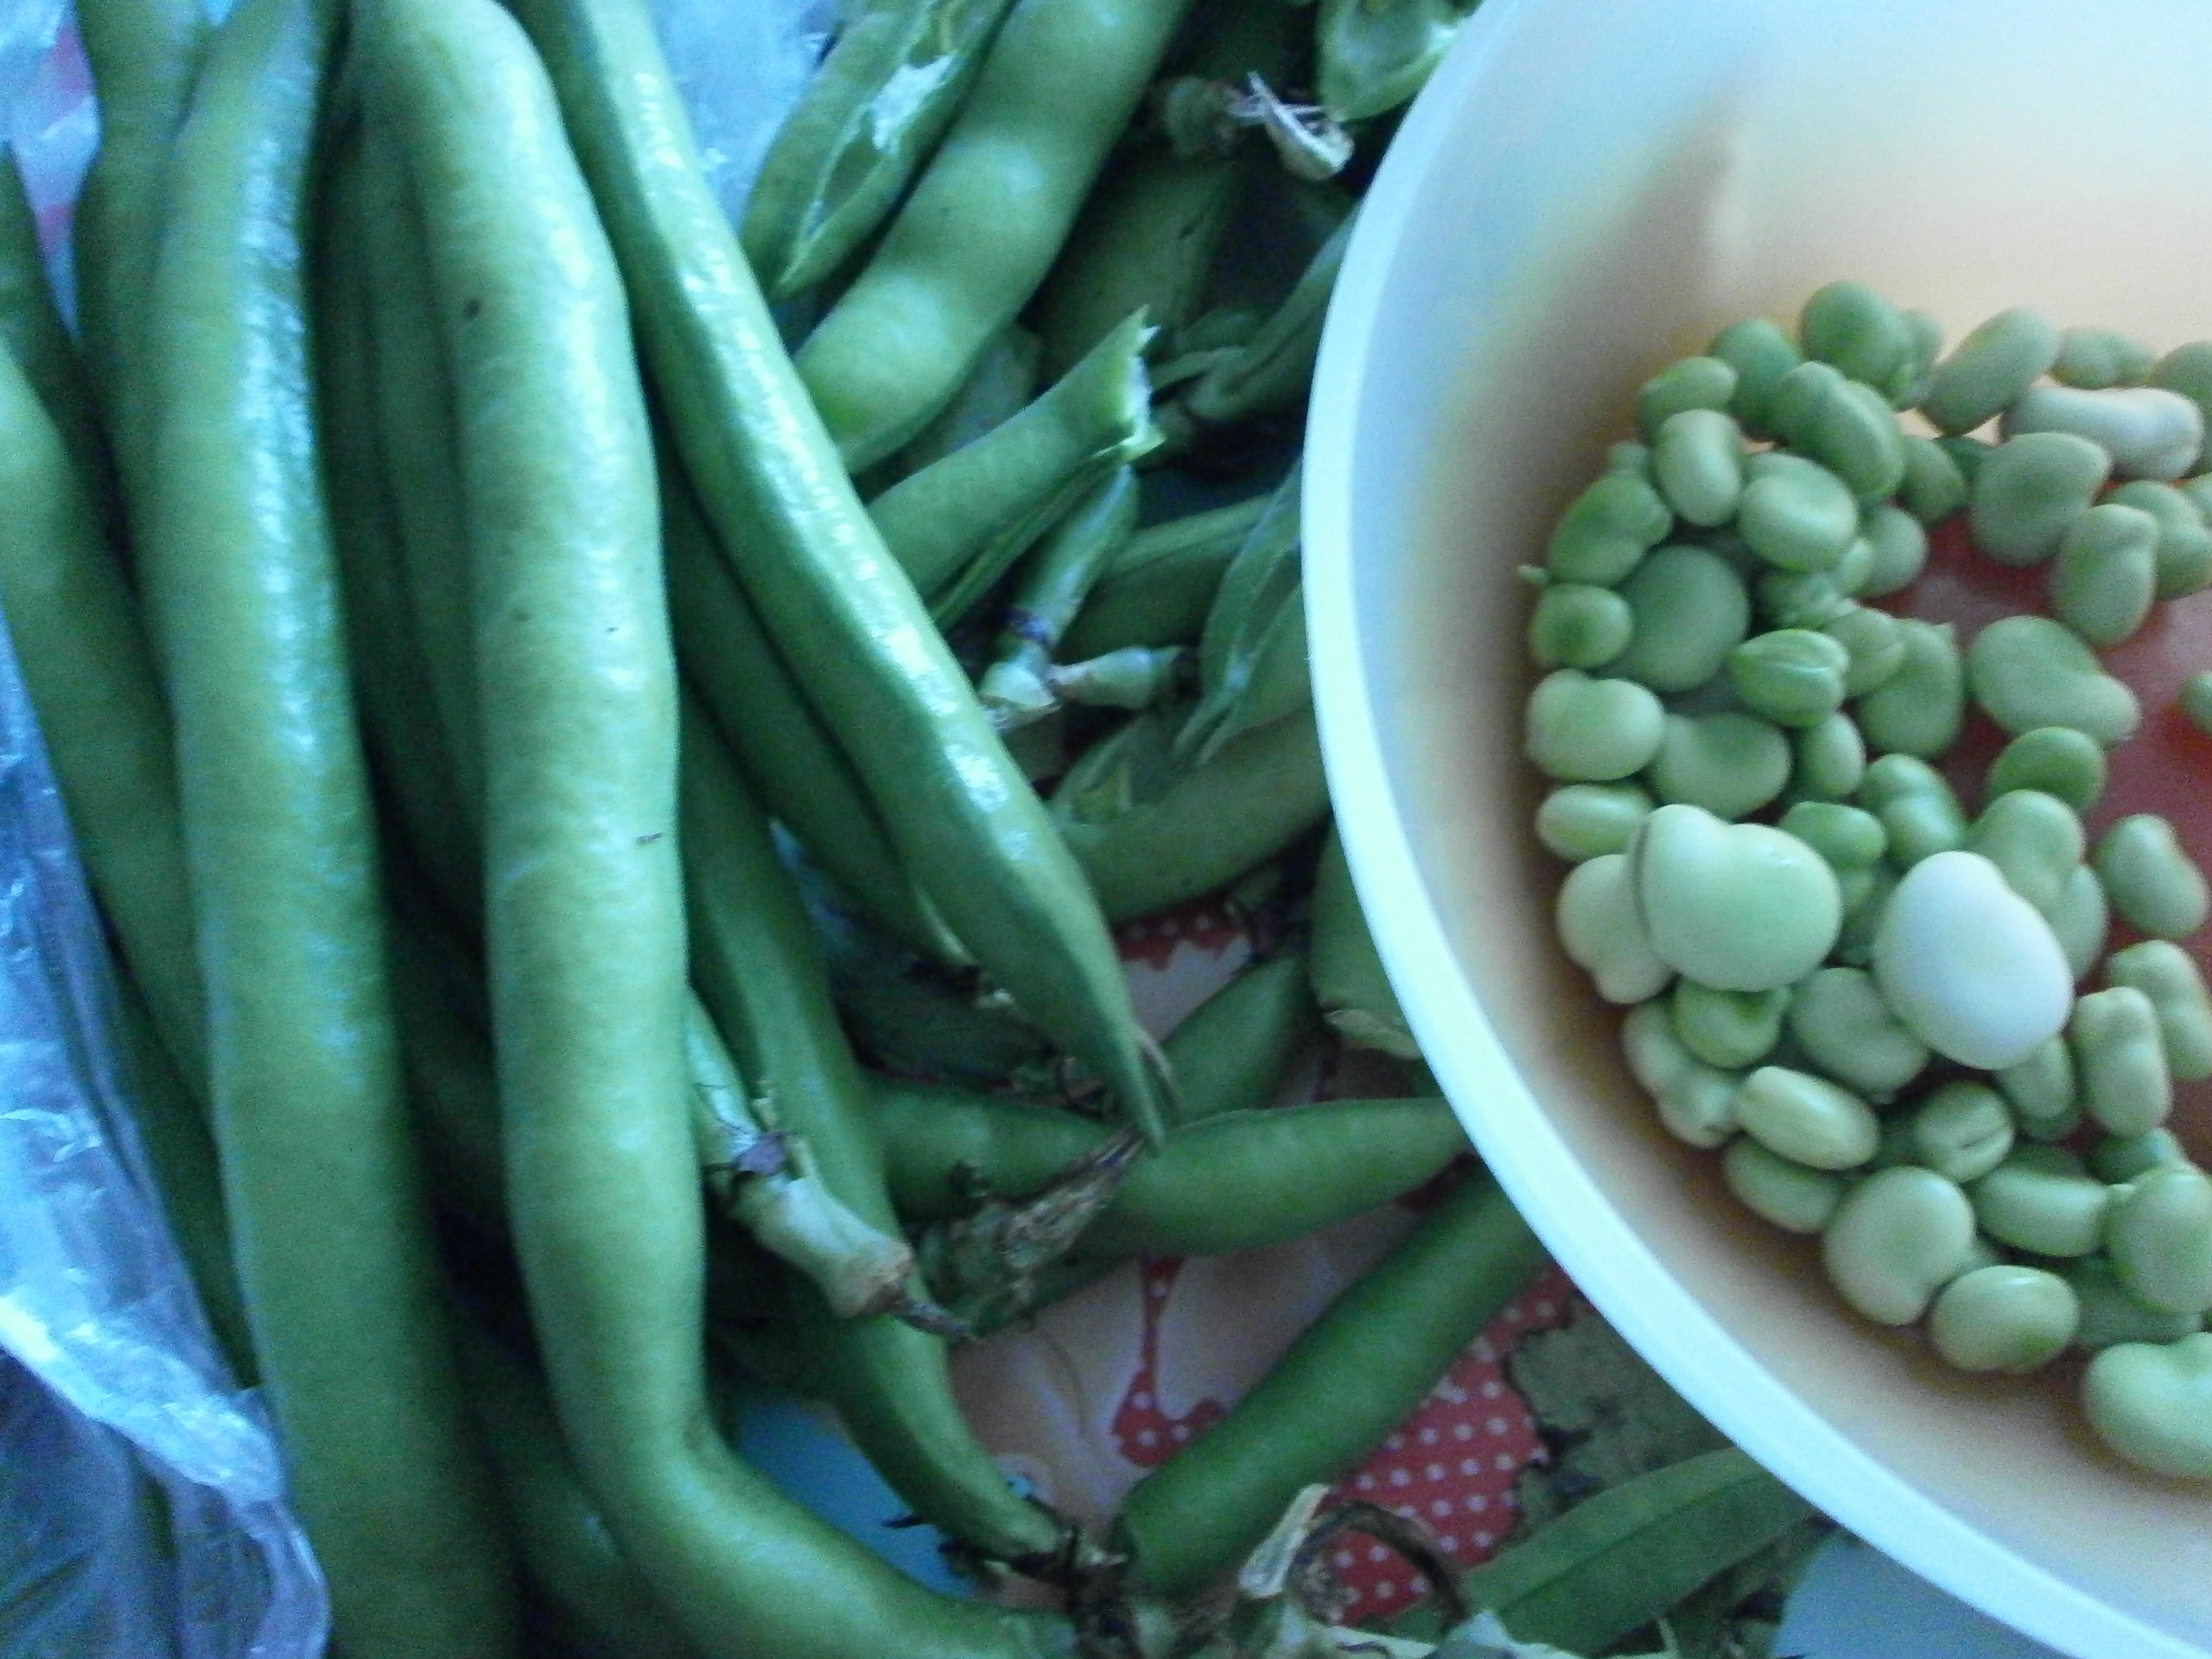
(548, 756)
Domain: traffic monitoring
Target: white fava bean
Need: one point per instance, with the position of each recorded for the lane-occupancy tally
(1599, 926)
(1968, 965)
(1807, 1119)
(1738, 906)
(1897, 1238)
(2152, 1403)
(2004, 1318)
(2149, 431)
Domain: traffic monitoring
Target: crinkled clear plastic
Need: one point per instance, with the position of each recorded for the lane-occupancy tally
(141, 1497)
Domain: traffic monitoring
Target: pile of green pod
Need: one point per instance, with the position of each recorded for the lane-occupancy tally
(1897, 1021)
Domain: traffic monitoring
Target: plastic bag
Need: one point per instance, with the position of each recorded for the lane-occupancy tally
(142, 1504)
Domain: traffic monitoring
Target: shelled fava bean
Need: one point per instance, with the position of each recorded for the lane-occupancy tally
(1895, 1017)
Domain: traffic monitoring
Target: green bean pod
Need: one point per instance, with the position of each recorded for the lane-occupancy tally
(1003, 383)
(92, 680)
(1242, 1181)
(1149, 233)
(1358, 1369)
(966, 823)
(958, 525)
(756, 703)
(761, 973)
(34, 332)
(1252, 656)
(404, 731)
(1374, 58)
(590, 1590)
(172, 1128)
(1347, 977)
(986, 218)
(1016, 688)
(1231, 1053)
(1628, 1554)
(1149, 835)
(331, 1236)
(144, 56)
(418, 447)
(859, 132)
(1157, 590)
(1271, 371)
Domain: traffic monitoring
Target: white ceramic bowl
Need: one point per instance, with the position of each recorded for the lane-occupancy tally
(1583, 193)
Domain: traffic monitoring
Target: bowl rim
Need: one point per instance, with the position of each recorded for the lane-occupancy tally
(1621, 1275)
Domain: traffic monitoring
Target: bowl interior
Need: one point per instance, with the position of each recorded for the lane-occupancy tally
(1571, 205)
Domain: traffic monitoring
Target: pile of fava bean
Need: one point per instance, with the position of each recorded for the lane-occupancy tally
(1894, 1012)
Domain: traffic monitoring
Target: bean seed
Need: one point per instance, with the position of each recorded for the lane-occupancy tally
(1851, 325)
(2119, 1057)
(1963, 1130)
(1828, 760)
(2041, 1200)
(1582, 821)
(1918, 812)
(1579, 625)
(1738, 906)
(2034, 840)
(1602, 934)
(2197, 701)
(1794, 1198)
(1897, 1238)
(2028, 493)
(1874, 647)
(2044, 1092)
(2153, 1404)
(2150, 879)
(2118, 1159)
(2095, 358)
(1731, 1029)
(1607, 530)
(1690, 610)
(2055, 759)
(2183, 554)
(2106, 576)
(2147, 431)
(1697, 461)
(1794, 677)
(1730, 763)
(1933, 487)
(1581, 730)
(1921, 708)
(2159, 1237)
(1760, 354)
(1807, 1119)
(2111, 1316)
(1969, 966)
(1796, 515)
(1989, 368)
(2008, 1319)
(1896, 549)
(2081, 922)
(1841, 1022)
(2026, 672)
(1693, 383)
(2168, 975)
